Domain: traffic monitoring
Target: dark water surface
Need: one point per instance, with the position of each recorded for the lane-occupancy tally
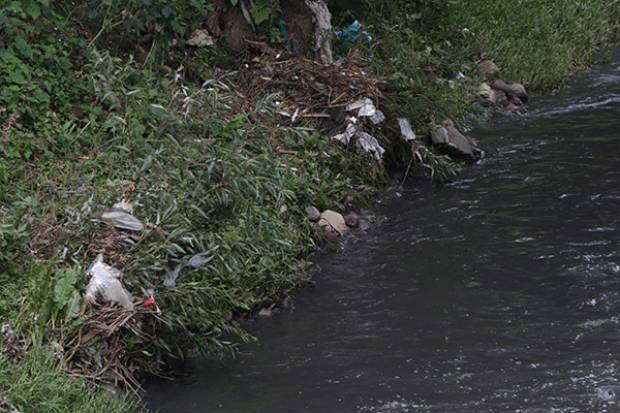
(497, 293)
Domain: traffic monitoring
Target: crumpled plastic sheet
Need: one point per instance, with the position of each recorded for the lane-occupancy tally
(185, 265)
(120, 216)
(378, 117)
(405, 129)
(105, 285)
(370, 144)
(353, 33)
(364, 140)
(346, 136)
(365, 107)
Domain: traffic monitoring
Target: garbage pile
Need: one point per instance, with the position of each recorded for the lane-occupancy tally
(305, 85)
(338, 100)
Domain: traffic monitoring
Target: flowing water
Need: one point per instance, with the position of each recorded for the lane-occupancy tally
(499, 292)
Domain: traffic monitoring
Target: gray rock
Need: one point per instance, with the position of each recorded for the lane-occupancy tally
(499, 84)
(486, 93)
(487, 68)
(518, 90)
(352, 220)
(454, 143)
(313, 213)
(513, 89)
(333, 221)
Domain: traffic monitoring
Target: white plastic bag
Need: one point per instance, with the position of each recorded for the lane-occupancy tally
(105, 285)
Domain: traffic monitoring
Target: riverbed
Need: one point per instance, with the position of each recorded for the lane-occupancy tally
(497, 292)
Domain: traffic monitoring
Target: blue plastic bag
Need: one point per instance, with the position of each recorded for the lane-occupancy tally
(353, 33)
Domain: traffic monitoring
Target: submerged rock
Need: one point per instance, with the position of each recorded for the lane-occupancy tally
(352, 220)
(448, 138)
(333, 221)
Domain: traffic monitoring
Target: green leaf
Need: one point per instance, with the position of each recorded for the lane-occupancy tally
(24, 48)
(64, 288)
(167, 11)
(261, 11)
(33, 10)
(234, 2)
(18, 77)
(73, 305)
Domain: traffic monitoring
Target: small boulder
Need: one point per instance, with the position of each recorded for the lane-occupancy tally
(514, 99)
(313, 213)
(352, 220)
(499, 84)
(515, 89)
(333, 221)
(518, 89)
(487, 68)
(448, 138)
(486, 93)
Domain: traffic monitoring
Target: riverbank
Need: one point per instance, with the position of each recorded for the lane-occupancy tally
(493, 293)
(86, 126)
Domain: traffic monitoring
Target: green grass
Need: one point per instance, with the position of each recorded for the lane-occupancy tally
(537, 42)
(39, 384)
(423, 45)
(84, 124)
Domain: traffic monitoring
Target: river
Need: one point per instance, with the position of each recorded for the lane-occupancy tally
(498, 292)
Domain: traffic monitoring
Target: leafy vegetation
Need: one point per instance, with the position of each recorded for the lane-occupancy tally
(91, 113)
(39, 384)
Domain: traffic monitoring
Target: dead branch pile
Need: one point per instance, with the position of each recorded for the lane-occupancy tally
(98, 350)
(306, 87)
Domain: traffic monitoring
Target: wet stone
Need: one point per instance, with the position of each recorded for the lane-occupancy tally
(449, 139)
(352, 220)
(333, 221)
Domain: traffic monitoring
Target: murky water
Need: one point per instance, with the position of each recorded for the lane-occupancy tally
(497, 293)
